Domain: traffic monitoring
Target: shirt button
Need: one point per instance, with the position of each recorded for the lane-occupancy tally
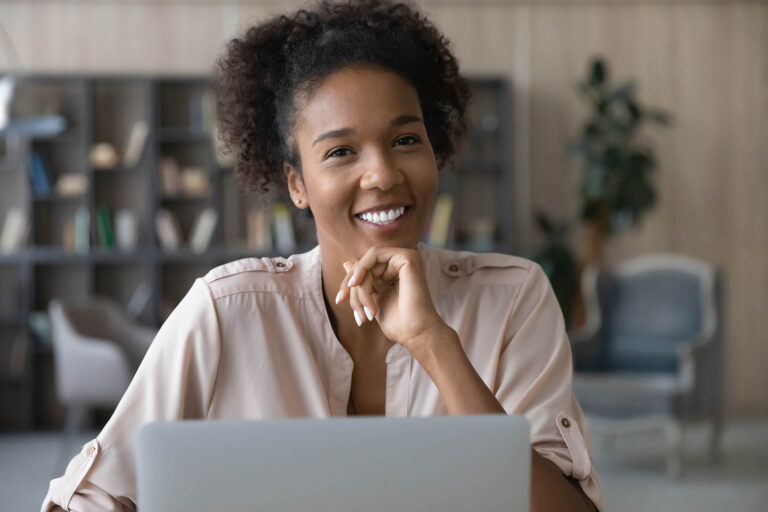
(90, 451)
(279, 264)
(564, 422)
(453, 268)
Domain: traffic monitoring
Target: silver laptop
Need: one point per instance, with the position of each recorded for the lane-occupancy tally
(360, 464)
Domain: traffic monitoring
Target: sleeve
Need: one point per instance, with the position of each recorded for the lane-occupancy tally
(535, 376)
(174, 381)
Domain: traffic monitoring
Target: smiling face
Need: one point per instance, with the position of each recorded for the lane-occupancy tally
(364, 150)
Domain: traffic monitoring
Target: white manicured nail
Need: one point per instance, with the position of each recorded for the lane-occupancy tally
(368, 313)
(357, 318)
(338, 296)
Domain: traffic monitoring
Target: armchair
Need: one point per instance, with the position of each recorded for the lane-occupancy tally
(650, 353)
(96, 350)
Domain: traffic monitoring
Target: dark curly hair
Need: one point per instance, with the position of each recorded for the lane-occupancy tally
(260, 75)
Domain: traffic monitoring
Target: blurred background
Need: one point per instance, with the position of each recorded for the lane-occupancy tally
(620, 143)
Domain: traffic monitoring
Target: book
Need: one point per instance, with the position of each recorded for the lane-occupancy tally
(126, 230)
(37, 126)
(170, 178)
(136, 141)
(82, 230)
(202, 230)
(283, 222)
(208, 111)
(41, 180)
(14, 231)
(168, 230)
(104, 228)
(139, 300)
(259, 231)
(68, 234)
(441, 221)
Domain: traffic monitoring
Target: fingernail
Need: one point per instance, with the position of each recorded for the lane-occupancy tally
(368, 313)
(352, 280)
(338, 297)
(357, 319)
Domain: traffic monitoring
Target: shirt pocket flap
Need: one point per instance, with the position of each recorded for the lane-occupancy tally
(76, 471)
(574, 440)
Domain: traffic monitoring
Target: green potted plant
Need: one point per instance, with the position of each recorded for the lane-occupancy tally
(616, 189)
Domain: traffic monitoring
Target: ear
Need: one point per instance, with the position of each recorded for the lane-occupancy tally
(296, 187)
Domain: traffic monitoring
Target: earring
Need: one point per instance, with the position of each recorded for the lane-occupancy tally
(298, 201)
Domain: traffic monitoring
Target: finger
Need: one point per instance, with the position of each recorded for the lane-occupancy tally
(357, 308)
(385, 262)
(344, 288)
(372, 256)
(364, 292)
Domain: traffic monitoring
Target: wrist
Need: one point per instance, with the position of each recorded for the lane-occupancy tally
(435, 345)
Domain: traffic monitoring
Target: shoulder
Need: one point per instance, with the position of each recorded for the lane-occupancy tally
(474, 267)
(275, 274)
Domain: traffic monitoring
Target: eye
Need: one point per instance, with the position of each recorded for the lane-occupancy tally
(408, 140)
(338, 153)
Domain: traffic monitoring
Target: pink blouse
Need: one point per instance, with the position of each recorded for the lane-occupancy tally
(252, 340)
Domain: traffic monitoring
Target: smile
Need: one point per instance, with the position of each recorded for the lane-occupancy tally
(383, 217)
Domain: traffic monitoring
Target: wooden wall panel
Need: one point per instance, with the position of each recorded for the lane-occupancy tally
(705, 61)
(707, 64)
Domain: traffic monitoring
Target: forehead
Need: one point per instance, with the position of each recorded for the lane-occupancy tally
(357, 98)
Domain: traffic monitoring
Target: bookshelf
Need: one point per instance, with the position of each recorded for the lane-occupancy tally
(177, 114)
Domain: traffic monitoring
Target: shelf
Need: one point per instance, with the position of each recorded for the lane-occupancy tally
(62, 138)
(53, 197)
(178, 111)
(182, 136)
(183, 198)
(118, 169)
(186, 255)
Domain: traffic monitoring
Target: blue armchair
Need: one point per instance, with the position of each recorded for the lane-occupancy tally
(650, 353)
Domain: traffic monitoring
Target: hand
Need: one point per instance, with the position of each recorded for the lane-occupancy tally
(390, 283)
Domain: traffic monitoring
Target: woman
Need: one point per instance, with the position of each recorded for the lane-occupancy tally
(354, 107)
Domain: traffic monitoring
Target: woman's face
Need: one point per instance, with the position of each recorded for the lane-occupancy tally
(365, 157)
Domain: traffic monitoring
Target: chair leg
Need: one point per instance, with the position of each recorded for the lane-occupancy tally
(715, 438)
(674, 431)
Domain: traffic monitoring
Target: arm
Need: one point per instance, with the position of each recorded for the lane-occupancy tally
(464, 392)
(174, 382)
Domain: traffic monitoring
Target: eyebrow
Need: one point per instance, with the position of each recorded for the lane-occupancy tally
(342, 132)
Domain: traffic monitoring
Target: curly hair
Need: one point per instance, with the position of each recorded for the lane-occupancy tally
(259, 77)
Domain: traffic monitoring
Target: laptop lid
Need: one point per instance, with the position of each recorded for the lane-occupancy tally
(371, 463)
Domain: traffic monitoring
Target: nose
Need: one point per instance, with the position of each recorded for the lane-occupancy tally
(380, 172)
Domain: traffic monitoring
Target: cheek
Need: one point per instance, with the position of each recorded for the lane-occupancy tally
(333, 197)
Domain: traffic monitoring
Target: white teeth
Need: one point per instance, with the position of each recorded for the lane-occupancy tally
(383, 217)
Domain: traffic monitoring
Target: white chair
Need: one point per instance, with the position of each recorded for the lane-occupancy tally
(96, 350)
